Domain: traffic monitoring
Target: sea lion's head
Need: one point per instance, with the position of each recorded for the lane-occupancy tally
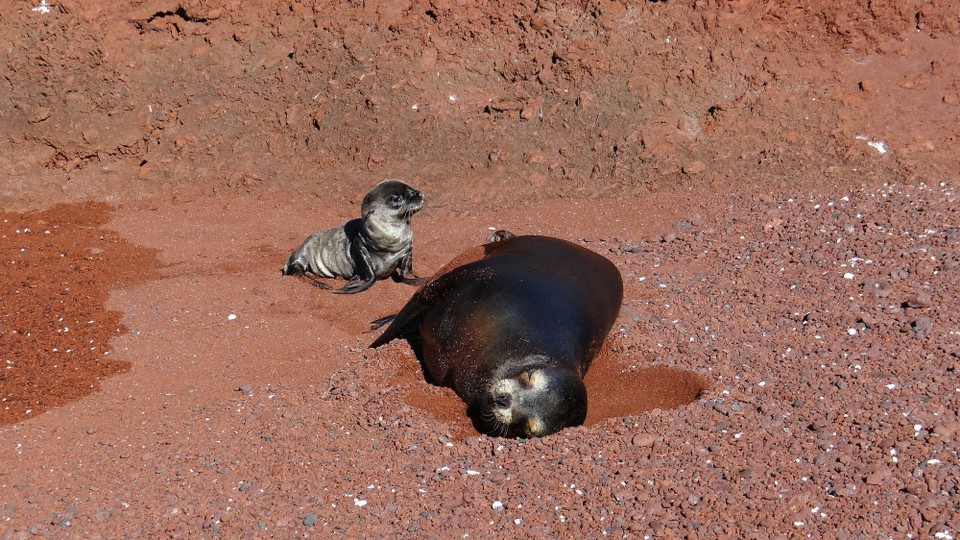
(391, 202)
(534, 399)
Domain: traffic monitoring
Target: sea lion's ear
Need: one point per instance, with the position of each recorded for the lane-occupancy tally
(538, 379)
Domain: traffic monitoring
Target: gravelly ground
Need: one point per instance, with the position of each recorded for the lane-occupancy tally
(827, 331)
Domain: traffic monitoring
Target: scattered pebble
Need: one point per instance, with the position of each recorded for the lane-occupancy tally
(643, 439)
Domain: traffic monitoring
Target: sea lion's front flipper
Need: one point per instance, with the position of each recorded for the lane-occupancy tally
(355, 286)
(382, 321)
(407, 321)
(403, 273)
(402, 323)
(409, 280)
(364, 276)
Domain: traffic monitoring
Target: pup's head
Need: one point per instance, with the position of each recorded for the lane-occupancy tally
(533, 400)
(392, 200)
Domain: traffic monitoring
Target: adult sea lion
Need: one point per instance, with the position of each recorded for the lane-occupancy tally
(513, 331)
(377, 245)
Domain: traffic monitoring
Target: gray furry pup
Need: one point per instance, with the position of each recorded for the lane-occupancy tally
(377, 245)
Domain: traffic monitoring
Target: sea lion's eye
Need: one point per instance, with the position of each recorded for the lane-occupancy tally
(396, 199)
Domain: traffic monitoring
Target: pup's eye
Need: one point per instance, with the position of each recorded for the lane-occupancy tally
(396, 199)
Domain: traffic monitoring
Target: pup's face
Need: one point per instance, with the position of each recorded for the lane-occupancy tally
(536, 401)
(392, 200)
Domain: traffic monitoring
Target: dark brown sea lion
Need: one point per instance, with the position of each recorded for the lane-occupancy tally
(514, 331)
(377, 245)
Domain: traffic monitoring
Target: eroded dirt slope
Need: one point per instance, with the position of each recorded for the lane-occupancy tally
(121, 100)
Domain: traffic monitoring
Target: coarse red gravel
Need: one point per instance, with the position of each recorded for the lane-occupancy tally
(826, 331)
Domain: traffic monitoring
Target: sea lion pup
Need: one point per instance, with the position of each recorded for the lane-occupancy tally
(513, 330)
(377, 245)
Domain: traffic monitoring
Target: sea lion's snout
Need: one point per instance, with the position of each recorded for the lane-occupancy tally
(537, 402)
(415, 200)
(415, 204)
(502, 402)
(293, 266)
